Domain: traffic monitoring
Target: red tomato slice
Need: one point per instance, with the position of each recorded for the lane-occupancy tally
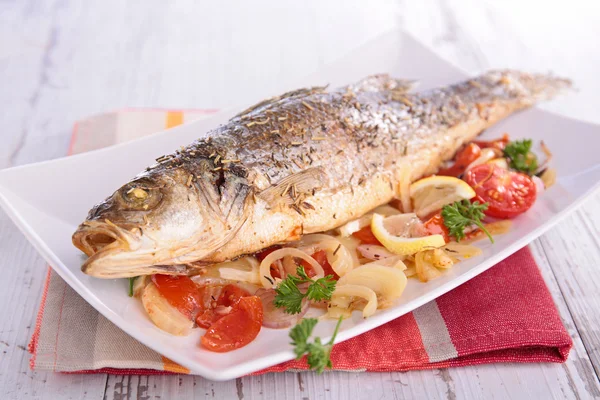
(435, 225)
(365, 235)
(498, 143)
(462, 160)
(236, 329)
(261, 255)
(320, 257)
(180, 291)
(229, 297)
(208, 317)
(508, 193)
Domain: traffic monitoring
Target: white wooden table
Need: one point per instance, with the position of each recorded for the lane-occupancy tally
(62, 60)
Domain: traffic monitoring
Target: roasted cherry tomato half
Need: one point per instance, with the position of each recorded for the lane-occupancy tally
(508, 193)
(462, 160)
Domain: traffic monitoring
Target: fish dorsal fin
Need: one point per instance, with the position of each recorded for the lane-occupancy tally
(294, 187)
(267, 103)
(383, 83)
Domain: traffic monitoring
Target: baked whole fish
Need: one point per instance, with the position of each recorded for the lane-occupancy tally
(307, 161)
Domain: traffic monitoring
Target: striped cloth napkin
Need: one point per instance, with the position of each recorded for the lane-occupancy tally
(504, 315)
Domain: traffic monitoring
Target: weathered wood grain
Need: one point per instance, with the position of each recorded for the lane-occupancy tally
(64, 60)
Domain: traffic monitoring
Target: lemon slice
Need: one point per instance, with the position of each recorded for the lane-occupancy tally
(433, 193)
(402, 245)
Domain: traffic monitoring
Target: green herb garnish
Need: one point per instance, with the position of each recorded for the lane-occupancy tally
(520, 156)
(461, 214)
(318, 354)
(131, 281)
(290, 297)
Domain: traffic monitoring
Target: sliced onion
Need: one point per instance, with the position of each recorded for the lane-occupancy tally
(374, 252)
(548, 177)
(245, 269)
(391, 262)
(265, 266)
(388, 283)
(289, 266)
(163, 314)
(462, 250)
(139, 284)
(548, 156)
(425, 269)
(440, 259)
(487, 154)
(337, 312)
(277, 318)
(338, 255)
(351, 244)
(500, 162)
(343, 295)
(539, 184)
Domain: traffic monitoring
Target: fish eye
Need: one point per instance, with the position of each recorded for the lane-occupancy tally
(137, 197)
(136, 193)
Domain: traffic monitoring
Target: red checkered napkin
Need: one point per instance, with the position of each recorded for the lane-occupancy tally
(504, 315)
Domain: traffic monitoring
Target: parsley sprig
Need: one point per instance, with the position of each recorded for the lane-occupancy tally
(520, 156)
(461, 214)
(290, 297)
(318, 354)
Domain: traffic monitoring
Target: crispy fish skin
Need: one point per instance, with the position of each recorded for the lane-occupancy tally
(304, 162)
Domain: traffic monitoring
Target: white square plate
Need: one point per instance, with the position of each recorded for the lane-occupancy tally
(48, 200)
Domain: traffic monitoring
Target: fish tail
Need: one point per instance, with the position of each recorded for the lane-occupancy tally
(529, 87)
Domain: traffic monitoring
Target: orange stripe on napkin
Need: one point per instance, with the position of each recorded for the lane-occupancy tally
(173, 119)
(172, 366)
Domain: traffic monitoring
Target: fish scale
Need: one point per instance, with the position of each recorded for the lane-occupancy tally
(304, 162)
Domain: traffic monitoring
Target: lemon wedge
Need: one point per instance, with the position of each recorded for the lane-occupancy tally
(402, 245)
(433, 193)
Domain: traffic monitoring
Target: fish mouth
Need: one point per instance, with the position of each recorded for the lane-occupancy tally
(93, 237)
(115, 251)
(101, 241)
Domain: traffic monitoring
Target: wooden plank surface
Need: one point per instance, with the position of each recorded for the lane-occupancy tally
(63, 60)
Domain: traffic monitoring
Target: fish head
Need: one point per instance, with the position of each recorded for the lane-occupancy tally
(156, 223)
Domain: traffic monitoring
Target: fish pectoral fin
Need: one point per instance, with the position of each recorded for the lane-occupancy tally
(383, 83)
(235, 193)
(294, 186)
